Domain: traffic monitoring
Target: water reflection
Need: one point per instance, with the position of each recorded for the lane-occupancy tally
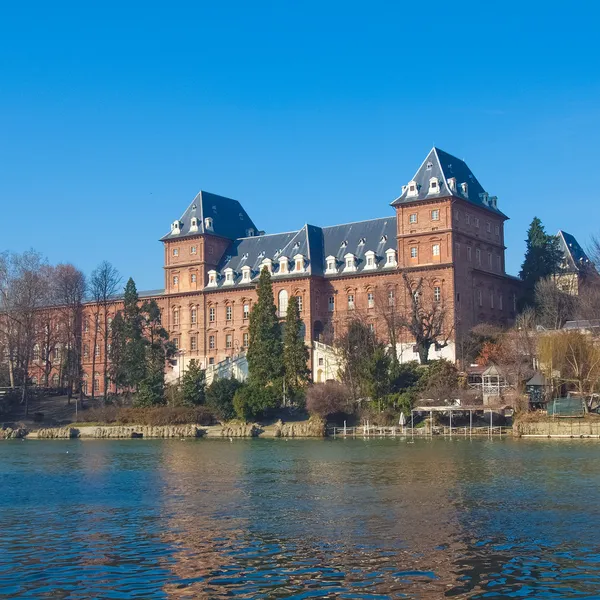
(299, 519)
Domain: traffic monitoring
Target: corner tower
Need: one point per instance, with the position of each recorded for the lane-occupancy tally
(199, 238)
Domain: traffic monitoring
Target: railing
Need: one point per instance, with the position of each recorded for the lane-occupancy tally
(398, 431)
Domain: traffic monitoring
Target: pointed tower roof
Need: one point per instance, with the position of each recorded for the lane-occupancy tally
(228, 218)
(574, 257)
(454, 179)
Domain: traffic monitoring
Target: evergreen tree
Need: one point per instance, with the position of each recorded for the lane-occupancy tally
(295, 352)
(157, 349)
(134, 355)
(265, 360)
(193, 385)
(118, 373)
(542, 258)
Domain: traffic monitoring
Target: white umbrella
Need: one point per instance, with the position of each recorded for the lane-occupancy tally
(402, 420)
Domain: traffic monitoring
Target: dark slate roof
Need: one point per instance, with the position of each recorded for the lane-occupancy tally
(537, 379)
(251, 251)
(357, 238)
(575, 258)
(230, 220)
(315, 244)
(444, 166)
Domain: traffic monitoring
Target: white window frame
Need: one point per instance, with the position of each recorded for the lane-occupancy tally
(228, 312)
(435, 250)
(349, 263)
(370, 262)
(435, 214)
(212, 278)
(390, 258)
(370, 299)
(412, 219)
(414, 252)
(331, 267)
(437, 293)
(331, 304)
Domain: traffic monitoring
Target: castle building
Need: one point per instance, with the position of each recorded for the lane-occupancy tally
(575, 266)
(443, 228)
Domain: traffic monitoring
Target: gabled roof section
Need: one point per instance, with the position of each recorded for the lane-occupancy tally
(574, 257)
(229, 219)
(454, 179)
(376, 235)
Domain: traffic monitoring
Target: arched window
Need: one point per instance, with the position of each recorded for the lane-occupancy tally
(282, 303)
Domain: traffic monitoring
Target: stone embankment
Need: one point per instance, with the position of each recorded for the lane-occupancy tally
(300, 429)
(564, 428)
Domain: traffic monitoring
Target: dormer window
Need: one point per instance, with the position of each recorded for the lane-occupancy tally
(194, 224)
(494, 201)
(370, 260)
(413, 189)
(208, 224)
(331, 265)
(228, 276)
(176, 228)
(246, 274)
(267, 264)
(434, 185)
(284, 265)
(299, 263)
(464, 188)
(349, 263)
(452, 184)
(429, 166)
(485, 198)
(212, 279)
(250, 232)
(390, 258)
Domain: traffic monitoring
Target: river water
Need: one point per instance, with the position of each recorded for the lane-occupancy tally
(300, 519)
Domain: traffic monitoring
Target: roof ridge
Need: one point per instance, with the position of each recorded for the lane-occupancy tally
(355, 222)
(437, 156)
(250, 237)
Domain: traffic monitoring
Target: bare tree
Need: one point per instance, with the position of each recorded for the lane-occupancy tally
(388, 307)
(21, 296)
(48, 325)
(427, 318)
(553, 306)
(104, 284)
(70, 290)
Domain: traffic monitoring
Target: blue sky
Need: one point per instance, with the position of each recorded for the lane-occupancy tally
(113, 115)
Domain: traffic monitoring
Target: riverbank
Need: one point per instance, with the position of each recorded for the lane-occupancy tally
(310, 428)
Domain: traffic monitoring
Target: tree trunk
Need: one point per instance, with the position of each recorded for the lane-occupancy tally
(423, 348)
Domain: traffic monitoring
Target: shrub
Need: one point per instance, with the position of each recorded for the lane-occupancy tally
(219, 397)
(328, 399)
(151, 416)
(252, 401)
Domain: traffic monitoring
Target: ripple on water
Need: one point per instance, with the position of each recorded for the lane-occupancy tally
(263, 519)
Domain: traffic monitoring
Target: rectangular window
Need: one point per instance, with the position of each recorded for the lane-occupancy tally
(370, 300)
(457, 250)
(372, 327)
(413, 252)
(469, 253)
(476, 221)
(350, 301)
(500, 302)
(193, 250)
(193, 315)
(391, 299)
(211, 314)
(498, 263)
(175, 280)
(468, 219)
(175, 251)
(321, 361)
(97, 351)
(437, 293)
(245, 339)
(300, 303)
(175, 317)
(211, 342)
(488, 227)
(412, 218)
(491, 299)
(86, 353)
(497, 230)
(246, 311)
(176, 343)
(193, 342)
(478, 256)
(435, 215)
(194, 277)
(228, 341)
(228, 313)
(331, 304)
(490, 259)
(435, 250)
(96, 385)
(457, 215)
(479, 298)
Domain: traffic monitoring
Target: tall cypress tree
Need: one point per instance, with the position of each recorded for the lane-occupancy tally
(134, 356)
(542, 258)
(265, 360)
(295, 352)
